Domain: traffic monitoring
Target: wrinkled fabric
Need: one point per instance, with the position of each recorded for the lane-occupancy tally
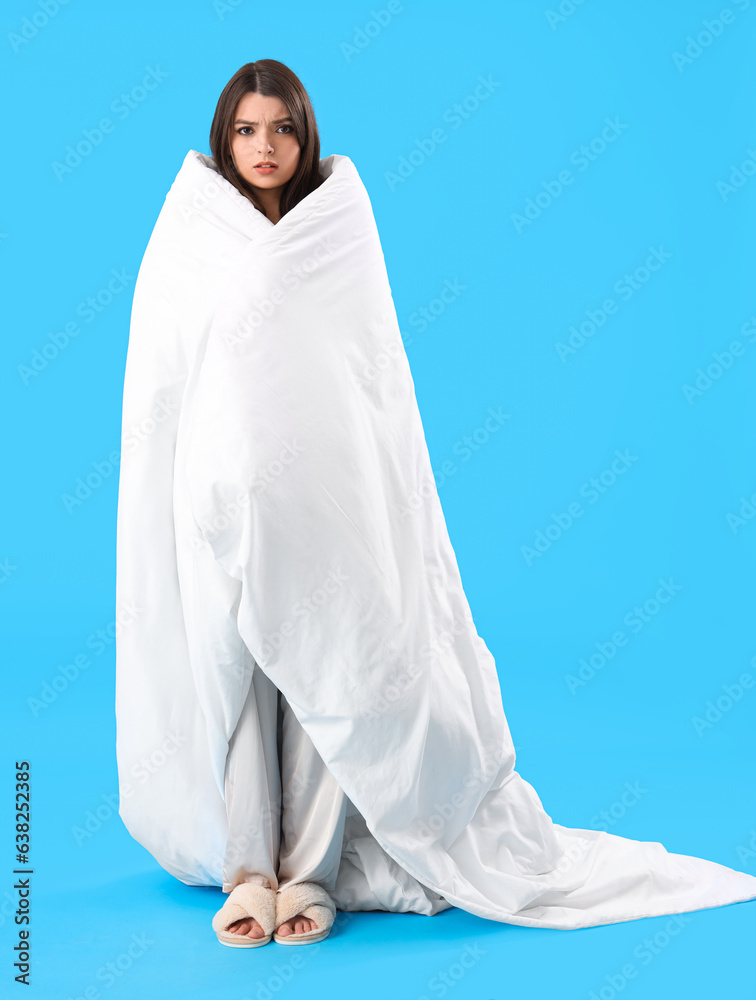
(277, 509)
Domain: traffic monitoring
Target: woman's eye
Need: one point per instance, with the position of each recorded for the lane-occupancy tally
(247, 129)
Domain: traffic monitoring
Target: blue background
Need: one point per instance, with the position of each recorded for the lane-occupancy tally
(684, 124)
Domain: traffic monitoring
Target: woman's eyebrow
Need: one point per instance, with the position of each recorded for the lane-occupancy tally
(276, 121)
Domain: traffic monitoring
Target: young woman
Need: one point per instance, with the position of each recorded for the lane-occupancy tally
(307, 716)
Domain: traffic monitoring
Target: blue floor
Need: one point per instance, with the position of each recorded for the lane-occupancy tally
(108, 920)
(85, 934)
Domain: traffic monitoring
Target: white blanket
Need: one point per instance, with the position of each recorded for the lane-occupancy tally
(277, 506)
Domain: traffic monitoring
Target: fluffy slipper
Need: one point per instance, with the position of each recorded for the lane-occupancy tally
(310, 900)
(249, 899)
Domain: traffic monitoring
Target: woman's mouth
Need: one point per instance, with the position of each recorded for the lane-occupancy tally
(266, 167)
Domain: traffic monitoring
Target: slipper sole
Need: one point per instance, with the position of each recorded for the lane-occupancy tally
(310, 938)
(242, 941)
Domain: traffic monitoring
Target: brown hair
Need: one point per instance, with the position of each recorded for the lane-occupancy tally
(269, 78)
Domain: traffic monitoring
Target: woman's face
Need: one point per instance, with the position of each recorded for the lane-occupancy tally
(263, 133)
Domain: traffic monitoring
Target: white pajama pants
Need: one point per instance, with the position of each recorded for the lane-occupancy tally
(286, 812)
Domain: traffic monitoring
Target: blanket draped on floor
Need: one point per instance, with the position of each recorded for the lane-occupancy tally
(277, 509)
